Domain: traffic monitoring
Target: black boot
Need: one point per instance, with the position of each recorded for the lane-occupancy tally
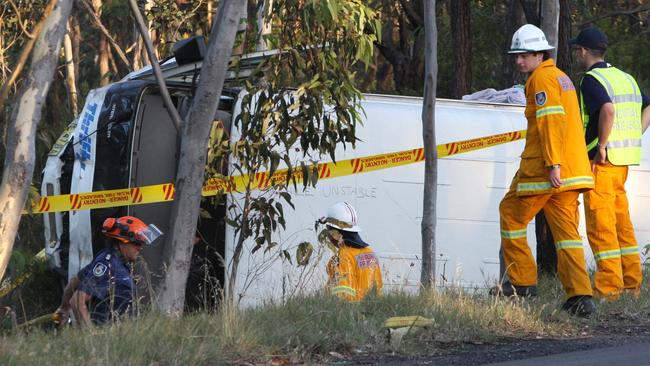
(582, 306)
(508, 289)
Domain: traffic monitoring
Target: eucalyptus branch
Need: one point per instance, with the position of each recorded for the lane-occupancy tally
(24, 55)
(189, 15)
(20, 21)
(167, 100)
(631, 13)
(414, 18)
(100, 26)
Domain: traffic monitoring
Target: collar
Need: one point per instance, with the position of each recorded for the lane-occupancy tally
(544, 64)
(599, 65)
(547, 63)
(353, 239)
(116, 253)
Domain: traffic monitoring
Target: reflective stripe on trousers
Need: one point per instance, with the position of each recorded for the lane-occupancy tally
(611, 234)
(561, 210)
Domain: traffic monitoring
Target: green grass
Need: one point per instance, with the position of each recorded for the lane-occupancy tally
(308, 329)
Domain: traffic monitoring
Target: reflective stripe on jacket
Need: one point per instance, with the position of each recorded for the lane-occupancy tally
(624, 142)
(554, 135)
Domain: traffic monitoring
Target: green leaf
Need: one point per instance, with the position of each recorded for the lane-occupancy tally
(286, 255)
(275, 161)
(270, 246)
(303, 253)
(233, 223)
(267, 235)
(287, 198)
(333, 7)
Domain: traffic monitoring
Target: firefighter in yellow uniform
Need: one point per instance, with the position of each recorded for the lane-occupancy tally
(554, 170)
(612, 108)
(354, 271)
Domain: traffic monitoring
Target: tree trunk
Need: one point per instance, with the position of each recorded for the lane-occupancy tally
(140, 57)
(514, 19)
(264, 27)
(246, 30)
(462, 45)
(70, 79)
(546, 255)
(191, 169)
(405, 56)
(137, 58)
(550, 17)
(531, 10)
(430, 151)
(20, 154)
(75, 38)
(209, 12)
(564, 33)
(4, 69)
(102, 55)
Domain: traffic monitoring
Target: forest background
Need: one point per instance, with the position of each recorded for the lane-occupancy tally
(473, 36)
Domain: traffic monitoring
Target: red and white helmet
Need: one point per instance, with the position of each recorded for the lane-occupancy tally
(129, 229)
(342, 216)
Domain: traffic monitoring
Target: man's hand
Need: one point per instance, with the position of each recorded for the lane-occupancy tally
(599, 158)
(61, 316)
(554, 176)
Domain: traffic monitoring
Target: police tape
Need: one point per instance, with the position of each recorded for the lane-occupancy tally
(262, 180)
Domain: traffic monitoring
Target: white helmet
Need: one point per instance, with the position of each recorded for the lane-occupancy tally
(529, 38)
(342, 216)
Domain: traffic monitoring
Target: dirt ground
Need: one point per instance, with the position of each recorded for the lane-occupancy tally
(507, 349)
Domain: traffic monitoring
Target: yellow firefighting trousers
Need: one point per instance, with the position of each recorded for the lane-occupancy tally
(611, 235)
(561, 210)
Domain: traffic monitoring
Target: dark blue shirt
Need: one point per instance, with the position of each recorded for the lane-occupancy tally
(595, 95)
(109, 282)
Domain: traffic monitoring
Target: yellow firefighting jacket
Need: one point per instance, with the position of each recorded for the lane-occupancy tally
(354, 272)
(554, 135)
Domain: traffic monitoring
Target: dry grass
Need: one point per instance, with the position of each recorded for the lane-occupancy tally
(310, 328)
(306, 328)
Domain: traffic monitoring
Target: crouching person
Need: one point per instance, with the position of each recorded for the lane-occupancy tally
(354, 270)
(104, 289)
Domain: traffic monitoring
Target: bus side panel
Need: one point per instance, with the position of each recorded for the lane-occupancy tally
(154, 161)
(389, 202)
(81, 251)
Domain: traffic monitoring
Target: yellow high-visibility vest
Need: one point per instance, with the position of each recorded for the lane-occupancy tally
(624, 142)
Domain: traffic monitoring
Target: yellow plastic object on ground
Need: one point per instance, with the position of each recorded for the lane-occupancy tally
(408, 321)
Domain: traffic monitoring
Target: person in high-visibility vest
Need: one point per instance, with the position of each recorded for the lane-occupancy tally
(354, 270)
(613, 108)
(554, 170)
(103, 290)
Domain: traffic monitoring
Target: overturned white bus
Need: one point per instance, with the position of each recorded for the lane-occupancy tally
(124, 138)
